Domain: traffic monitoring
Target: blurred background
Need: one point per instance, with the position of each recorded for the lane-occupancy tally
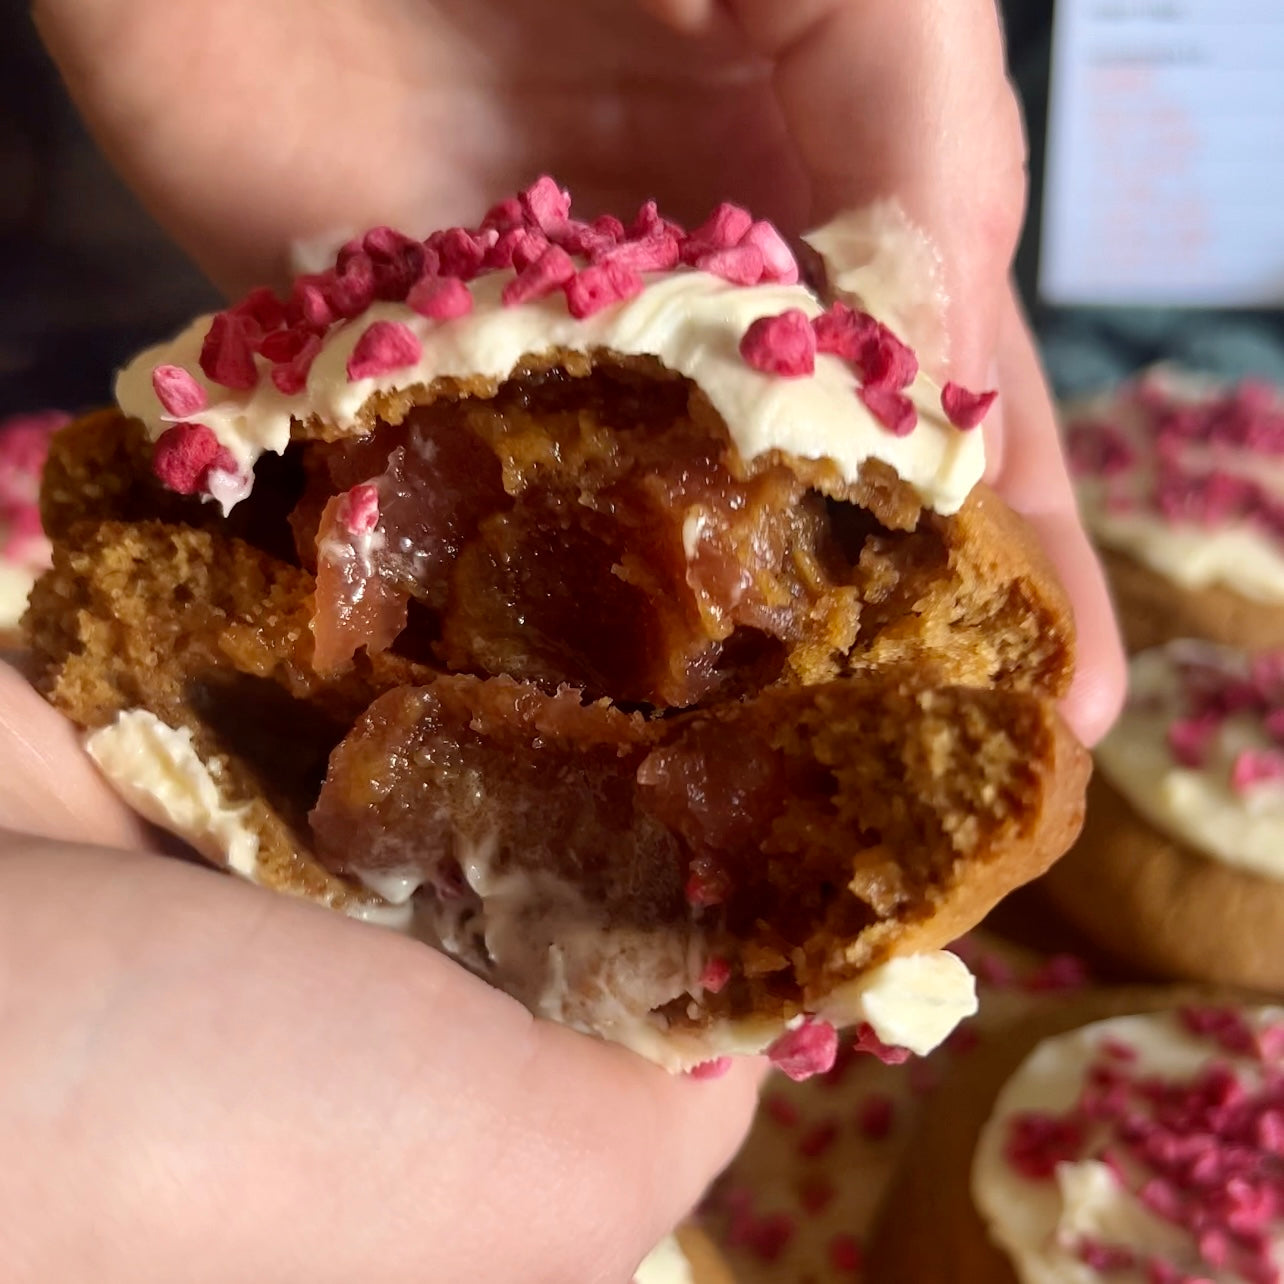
(86, 278)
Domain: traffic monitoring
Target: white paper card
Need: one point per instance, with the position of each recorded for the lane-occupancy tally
(1165, 158)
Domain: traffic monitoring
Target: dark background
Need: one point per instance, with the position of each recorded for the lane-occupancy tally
(86, 278)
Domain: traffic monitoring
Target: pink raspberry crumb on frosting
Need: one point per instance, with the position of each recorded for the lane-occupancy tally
(808, 1050)
(383, 347)
(227, 355)
(722, 230)
(176, 390)
(868, 1041)
(537, 280)
(1254, 767)
(779, 263)
(965, 409)
(783, 345)
(440, 298)
(598, 286)
(186, 454)
(893, 410)
(741, 265)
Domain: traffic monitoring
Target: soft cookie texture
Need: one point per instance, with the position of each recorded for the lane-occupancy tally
(592, 600)
(930, 1228)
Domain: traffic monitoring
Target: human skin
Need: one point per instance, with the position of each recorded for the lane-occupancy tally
(208, 1083)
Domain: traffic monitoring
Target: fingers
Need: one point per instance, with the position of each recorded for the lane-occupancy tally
(48, 786)
(909, 99)
(1031, 475)
(319, 1098)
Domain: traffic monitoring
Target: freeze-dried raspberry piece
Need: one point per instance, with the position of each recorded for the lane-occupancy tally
(308, 303)
(845, 1254)
(596, 287)
(178, 392)
(868, 1041)
(808, 1050)
(227, 356)
(504, 215)
(459, 253)
(552, 269)
(722, 230)
(185, 454)
(384, 346)
(715, 975)
(1037, 1142)
(545, 204)
(965, 409)
(650, 222)
(441, 298)
(781, 345)
(843, 332)
(291, 376)
(656, 253)
(358, 511)
(1098, 450)
(351, 290)
(1189, 739)
(262, 308)
(879, 357)
(741, 265)
(1060, 972)
(778, 258)
(397, 260)
(284, 345)
(1256, 767)
(893, 410)
(714, 1069)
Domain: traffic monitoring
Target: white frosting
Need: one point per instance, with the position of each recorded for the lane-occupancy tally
(155, 768)
(1193, 805)
(1040, 1224)
(16, 582)
(1237, 555)
(692, 321)
(666, 1263)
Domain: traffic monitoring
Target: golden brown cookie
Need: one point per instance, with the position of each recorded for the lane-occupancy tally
(1163, 908)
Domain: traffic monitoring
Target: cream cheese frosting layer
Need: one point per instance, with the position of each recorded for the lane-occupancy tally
(690, 320)
(1199, 805)
(666, 1263)
(1044, 1224)
(1227, 549)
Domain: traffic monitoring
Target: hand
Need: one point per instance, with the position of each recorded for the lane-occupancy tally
(201, 1082)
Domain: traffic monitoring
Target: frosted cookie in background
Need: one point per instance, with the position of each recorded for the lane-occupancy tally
(1180, 480)
(24, 550)
(1179, 871)
(1129, 1136)
(798, 1203)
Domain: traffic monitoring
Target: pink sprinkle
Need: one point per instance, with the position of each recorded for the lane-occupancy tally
(876, 1116)
(1037, 1142)
(845, 1254)
(655, 253)
(459, 252)
(263, 308)
(815, 1193)
(593, 288)
(441, 298)
(843, 332)
(283, 345)
(741, 265)
(707, 885)
(779, 262)
(781, 1109)
(965, 409)
(715, 975)
(880, 358)
(869, 1042)
(714, 1069)
(781, 345)
(504, 215)
(893, 410)
(529, 248)
(177, 391)
(818, 1139)
(359, 509)
(384, 346)
(309, 304)
(650, 221)
(183, 456)
(291, 376)
(352, 289)
(1060, 972)
(1255, 767)
(546, 204)
(808, 1050)
(552, 269)
(723, 229)
(227, 356)
(1189, 739)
